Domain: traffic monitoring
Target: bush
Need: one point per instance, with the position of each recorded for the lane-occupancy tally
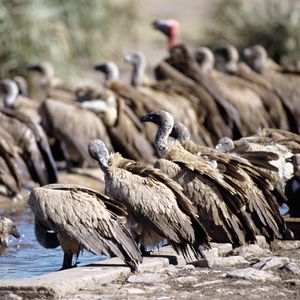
(62, 32)
(275, 24)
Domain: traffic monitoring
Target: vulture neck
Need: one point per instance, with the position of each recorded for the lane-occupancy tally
(173, 39)
(138, 73)
(11, 96)
(181, 133)
(162, 135)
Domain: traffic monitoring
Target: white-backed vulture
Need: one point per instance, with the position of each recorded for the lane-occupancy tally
(139, 104)
(43, 84)
(260, 203)
(247, 102)
(156, 206)
(163, 95)
(219, 201)
(123, 127)
(14, 101)
(259, 143)
(73, 126)
(32, 140)
(82, 219)
(14, 174)
(272, 101)
(220, 115)
(287, 86)
(7, 227)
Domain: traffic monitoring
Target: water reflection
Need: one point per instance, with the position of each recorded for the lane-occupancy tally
(25, 257)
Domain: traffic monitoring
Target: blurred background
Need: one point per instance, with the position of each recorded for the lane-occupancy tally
(74, 35)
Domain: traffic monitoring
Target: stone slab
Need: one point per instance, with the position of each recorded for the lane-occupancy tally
(58, 284)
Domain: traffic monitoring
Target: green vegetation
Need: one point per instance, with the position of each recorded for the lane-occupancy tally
(64, 32)
(275, 24)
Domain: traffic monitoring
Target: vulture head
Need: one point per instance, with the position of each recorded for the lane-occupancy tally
(165, 122)
(257, 57)
(109, 69)
(138, 61)
(205, 58)
(22, 85)
(169, 28)
(225, 144)
(99, 152)
(180, 133)
(7, 227)
(229, 57)
(45, 68)
(10, 89)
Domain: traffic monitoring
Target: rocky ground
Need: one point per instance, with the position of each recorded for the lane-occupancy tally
(251, 272)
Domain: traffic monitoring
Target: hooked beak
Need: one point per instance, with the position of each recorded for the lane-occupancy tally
(100, 67)
(15, 233)
(162, 26)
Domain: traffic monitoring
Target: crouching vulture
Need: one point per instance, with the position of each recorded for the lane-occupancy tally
(82, 218)
(156, 205)
(7, 227)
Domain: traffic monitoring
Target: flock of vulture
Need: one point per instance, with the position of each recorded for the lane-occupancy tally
(165, 182)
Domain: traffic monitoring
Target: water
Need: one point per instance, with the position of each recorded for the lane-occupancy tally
(25, 257)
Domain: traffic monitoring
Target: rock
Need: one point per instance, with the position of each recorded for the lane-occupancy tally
(223, 248)
(213, 252)
(221, 262)
(171, 270)
(293, 282)
(12, 296)
(187, 280)
(135, 291)
(262, 242)
(188, 267)
(252, 274)
(250, 250)
(268, 263)
(211, 282)
(293, 268)
(147, 278)
(285, 245)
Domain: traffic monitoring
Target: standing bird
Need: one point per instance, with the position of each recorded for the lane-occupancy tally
(82, 218)
(219, 200)
(164, 95)
(156, 206)
(260, 202)
(7, 227)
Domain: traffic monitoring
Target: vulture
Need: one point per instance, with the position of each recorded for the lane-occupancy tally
(33, 142)
(125, 105)
(218, 199)
(272, 100)
(14, 174)
(157, 207)
(253, 114)
(283, 162)
(13, 100)
(287, 86)
(123, 128)
(220, 117)
(43, 84)
(7, 227)
(165, 96)
(81, 218)
(73, 126)
(260, 203)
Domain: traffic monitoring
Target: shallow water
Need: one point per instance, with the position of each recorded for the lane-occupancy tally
(25, 257)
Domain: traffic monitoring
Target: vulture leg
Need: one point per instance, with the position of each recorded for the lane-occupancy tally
(67, 263)
(145, 252)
